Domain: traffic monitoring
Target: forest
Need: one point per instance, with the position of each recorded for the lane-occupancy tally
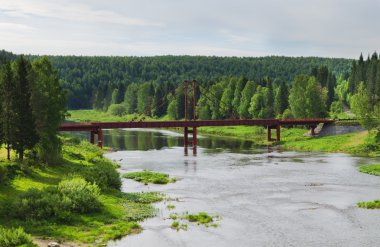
(98, 82)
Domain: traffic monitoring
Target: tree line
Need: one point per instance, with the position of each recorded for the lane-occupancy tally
(234, 97)
(32, 106)
(92, 82)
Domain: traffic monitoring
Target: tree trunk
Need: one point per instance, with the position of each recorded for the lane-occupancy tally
(21, 154)
(8, 152)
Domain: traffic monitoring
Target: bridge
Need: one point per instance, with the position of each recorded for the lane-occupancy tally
(191, 125)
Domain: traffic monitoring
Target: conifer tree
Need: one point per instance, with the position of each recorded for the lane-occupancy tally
(7, 92)
(25, 136)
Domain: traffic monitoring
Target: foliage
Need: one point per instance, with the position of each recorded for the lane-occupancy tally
(33, 105)
(14, 237)
(373, 169)
(71, 195)
(117, 110)
(57, 218)
(200, 218)
(149, 177)
(306, 98)
(370, 205)
(83, 195)
(103, 173)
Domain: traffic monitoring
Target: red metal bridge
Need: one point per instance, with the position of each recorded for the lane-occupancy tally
(190, 126)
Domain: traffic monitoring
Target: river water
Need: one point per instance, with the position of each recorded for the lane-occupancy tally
(265, 197)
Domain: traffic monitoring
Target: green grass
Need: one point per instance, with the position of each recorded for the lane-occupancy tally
(373, 169)
(337, 143)
(119, 211)
(147, 177)
(370, 205)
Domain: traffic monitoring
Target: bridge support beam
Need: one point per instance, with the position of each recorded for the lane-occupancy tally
(186, 137)
(92, 137)
(278, 133)
(100, 138)
(312, 130)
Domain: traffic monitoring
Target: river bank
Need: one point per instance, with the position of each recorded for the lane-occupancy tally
(31, 198)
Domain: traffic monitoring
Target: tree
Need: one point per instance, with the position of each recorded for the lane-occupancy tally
(246, 97)
(237, 94)
(7, 98)
(130, 98)
(361, 106)
(281, 99)
(297, 99)
(315, 105)
(269, 100)
(257, 107)
(48, 102)
(25, 136)
(226, 107)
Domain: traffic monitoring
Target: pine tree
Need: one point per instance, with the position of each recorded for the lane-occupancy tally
(25, 136)
(7, 91)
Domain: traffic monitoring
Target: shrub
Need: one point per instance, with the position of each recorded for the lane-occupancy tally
(71, 196)
(104, 174)
(83, 195)
(42, 204)
(117, 110)
(14, 237)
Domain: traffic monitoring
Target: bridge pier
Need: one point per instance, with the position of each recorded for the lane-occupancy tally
(278, 133)
(92, 137)
(312, 130)
(186, 141)
(100, 138)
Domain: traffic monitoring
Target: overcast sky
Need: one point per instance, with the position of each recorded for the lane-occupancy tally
(328, 28)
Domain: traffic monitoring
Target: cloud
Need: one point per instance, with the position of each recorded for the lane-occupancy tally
(341, 28)
(70, 11)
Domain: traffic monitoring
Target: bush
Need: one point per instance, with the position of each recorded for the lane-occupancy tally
(71, 196)
(117, 110)
(14, 237)
(42, 204)
(104, 174)
(83, 195)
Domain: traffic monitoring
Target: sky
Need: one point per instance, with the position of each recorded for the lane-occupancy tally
(243, 28)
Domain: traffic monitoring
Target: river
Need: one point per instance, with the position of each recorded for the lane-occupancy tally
(265, 197)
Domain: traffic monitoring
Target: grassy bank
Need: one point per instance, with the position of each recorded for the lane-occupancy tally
(45, 201)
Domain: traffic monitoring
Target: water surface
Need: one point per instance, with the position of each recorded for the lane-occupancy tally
(265, 197)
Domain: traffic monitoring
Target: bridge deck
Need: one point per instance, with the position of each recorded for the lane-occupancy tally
(199, 123)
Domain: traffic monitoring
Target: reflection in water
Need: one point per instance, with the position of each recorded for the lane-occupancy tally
(149, 140)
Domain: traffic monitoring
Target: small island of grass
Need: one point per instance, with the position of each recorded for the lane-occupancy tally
(147, 177)
(373, 169)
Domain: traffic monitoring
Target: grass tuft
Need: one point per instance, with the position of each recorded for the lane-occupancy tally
(147, 177)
